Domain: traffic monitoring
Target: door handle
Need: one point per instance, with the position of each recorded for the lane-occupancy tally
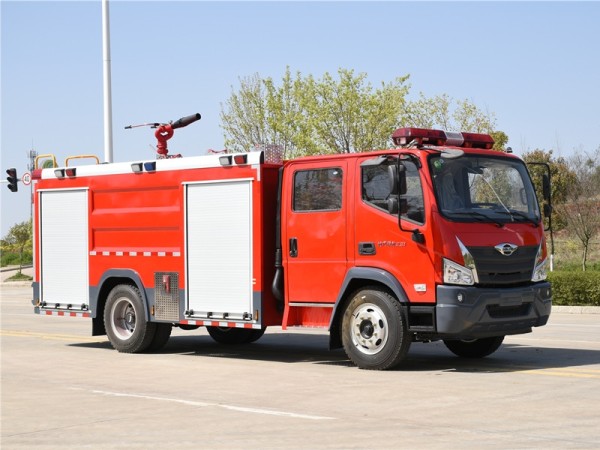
(366, 248)
(293, 247)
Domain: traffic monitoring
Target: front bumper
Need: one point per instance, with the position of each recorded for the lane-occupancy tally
(473, 312)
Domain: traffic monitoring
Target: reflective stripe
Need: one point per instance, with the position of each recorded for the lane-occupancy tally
(212, 323)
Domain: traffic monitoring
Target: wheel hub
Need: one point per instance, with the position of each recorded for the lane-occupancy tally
(123, 318)
(366, 329)
(369, 328)
(130, 319)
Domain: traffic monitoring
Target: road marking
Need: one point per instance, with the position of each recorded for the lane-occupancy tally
(563, 373)
(569, 341)
(52, 336)
(219, 405)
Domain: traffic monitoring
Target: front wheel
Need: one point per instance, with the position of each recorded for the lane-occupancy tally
(476, 348)
(374, 330)
(125, 320)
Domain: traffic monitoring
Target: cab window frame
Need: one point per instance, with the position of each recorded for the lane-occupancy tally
(375, 200)
(310, 190)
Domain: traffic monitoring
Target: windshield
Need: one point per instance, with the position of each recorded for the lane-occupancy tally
(485, 189)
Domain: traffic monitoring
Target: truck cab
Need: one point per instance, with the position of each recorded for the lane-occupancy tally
(439, 238)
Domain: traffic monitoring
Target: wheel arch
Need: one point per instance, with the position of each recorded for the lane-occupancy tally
(99, 294)
(356, 278)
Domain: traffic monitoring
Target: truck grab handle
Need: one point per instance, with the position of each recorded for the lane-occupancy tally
(185, 121)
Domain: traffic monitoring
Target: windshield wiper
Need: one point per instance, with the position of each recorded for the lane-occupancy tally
(480, 217)
(513, 212)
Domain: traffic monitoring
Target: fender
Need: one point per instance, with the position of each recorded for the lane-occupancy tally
(121, 274)
(357, 277)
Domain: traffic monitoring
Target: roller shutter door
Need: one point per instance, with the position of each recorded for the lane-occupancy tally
(64, 247)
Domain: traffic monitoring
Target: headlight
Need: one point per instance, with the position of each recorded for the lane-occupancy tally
(541, 267)
(457, 274)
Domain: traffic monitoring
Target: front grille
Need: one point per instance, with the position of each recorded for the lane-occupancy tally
(494, 268)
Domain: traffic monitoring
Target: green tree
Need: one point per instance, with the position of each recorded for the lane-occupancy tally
(500, 140)
(581, 210)
(18, 238)
(348, 115)
(304, 115)
(562, 177)
(445, 113)
(245, 121)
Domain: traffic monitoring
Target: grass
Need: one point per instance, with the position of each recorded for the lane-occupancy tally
(20, 277)
(568, 253)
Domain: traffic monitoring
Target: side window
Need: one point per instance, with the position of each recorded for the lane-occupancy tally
(376, 185)
(414, 209)
(318, 190)
(376, 189)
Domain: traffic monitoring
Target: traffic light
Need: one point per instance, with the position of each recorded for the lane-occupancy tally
(12, 179)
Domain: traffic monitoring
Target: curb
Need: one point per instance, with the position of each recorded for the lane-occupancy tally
(575, 309)
(16, 283)
(11, 268)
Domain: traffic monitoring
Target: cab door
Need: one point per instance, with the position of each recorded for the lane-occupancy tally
(383, 242)
(314, 231)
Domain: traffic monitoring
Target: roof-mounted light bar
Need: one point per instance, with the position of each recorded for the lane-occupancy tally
(405, 136)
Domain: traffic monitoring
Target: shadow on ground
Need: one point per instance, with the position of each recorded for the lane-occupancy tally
(301, 348)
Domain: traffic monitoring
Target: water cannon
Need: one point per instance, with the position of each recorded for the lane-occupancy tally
(165, 131)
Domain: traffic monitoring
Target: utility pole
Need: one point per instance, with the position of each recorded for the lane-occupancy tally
(32, 154)
(108, 140)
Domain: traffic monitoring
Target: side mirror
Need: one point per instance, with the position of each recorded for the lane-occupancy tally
(393, 180)
(547, 210)
(397, 179)
(546, 187)
(403, 206)
(523, 196)
(392, 204)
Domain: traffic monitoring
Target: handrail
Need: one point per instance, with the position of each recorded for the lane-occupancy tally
(80, 157)
(47, 155)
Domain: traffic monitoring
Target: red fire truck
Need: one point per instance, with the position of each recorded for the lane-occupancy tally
(439, 238)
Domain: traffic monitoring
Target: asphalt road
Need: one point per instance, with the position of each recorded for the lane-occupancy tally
(62, 388)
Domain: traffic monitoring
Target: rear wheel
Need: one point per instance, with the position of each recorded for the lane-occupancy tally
(161, 337)
(256, 334)
(125, 320)
(374, 330)
(230, 335)
(476, 348)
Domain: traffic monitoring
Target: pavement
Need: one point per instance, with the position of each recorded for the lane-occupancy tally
(65, 389)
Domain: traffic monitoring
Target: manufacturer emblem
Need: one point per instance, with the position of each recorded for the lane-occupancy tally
(506, 249)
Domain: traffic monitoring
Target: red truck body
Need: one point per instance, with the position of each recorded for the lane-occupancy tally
(363, 244)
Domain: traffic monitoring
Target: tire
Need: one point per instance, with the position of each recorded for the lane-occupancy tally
(230, 335)
(161, 337)
(256, 334)
(125, 320)
(374, 331)
(476, 348)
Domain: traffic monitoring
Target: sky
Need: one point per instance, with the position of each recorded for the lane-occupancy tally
(534, 65)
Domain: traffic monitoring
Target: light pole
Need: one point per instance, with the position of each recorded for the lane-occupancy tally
(108, 141)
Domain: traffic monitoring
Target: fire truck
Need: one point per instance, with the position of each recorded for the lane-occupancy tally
(438, 238)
